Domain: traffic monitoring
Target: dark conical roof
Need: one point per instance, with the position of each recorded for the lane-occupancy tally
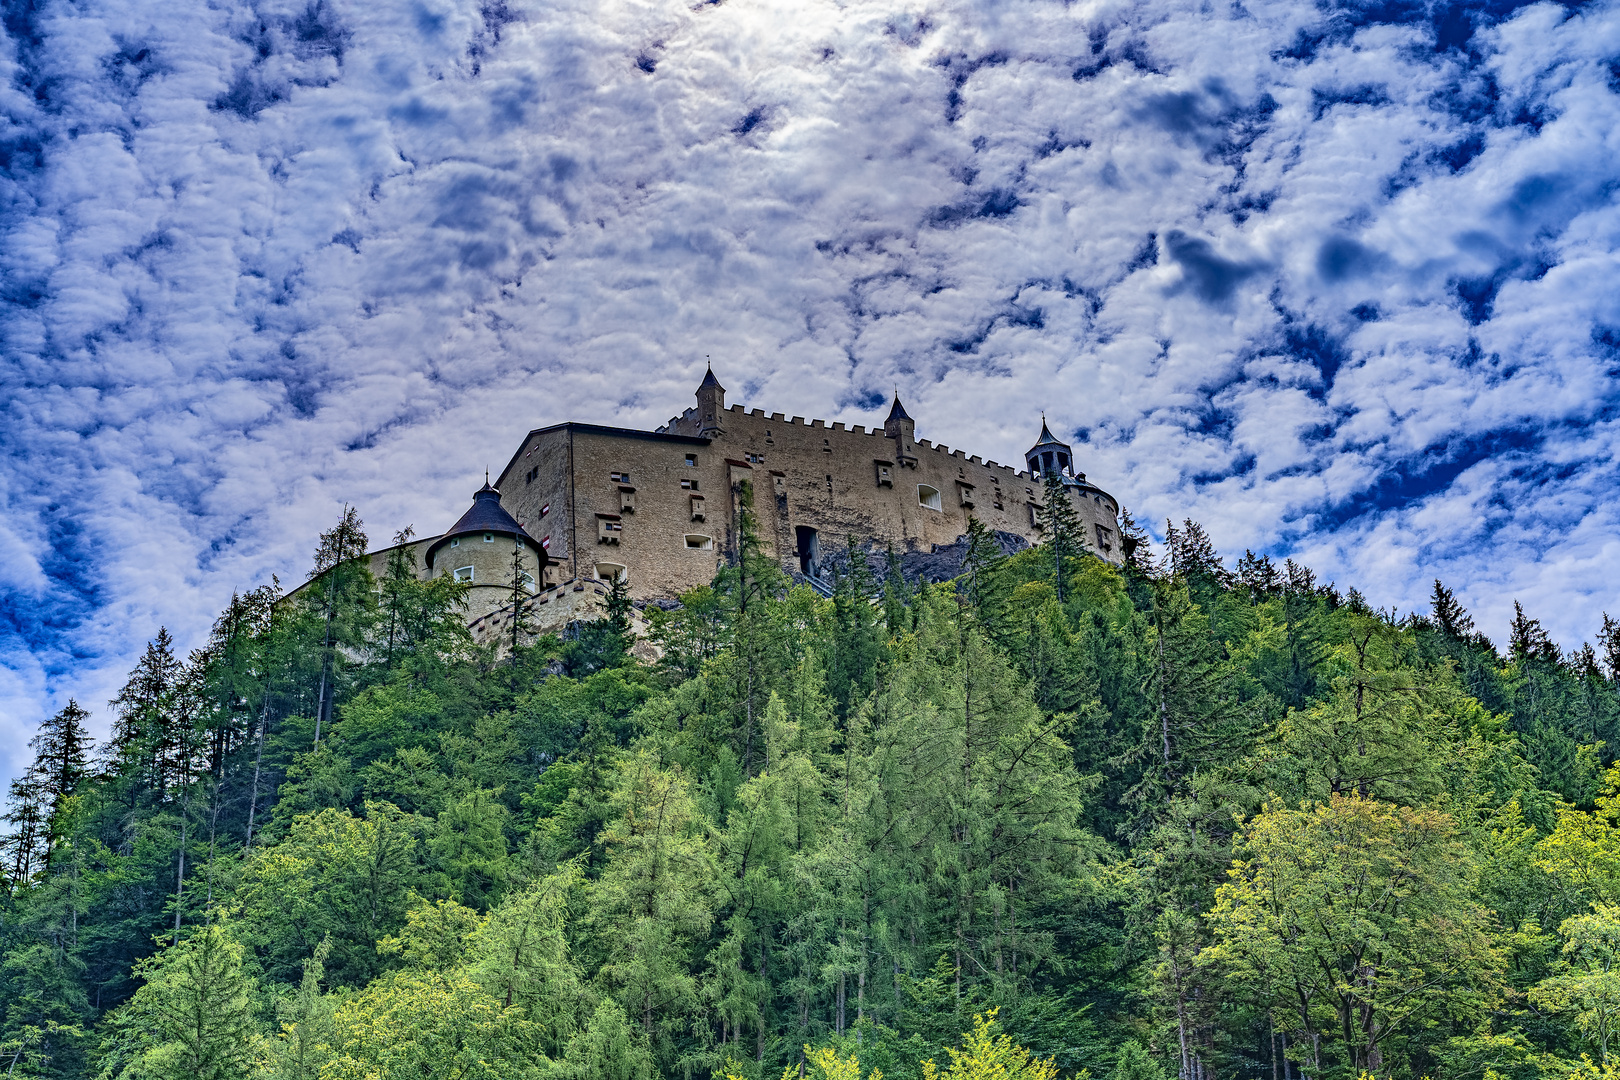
(709, 380)
(486, 515)
(1047, 438)
(898, 411)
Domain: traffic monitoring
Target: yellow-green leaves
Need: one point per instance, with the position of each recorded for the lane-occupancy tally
(988, 1053)
(1353, 919)
(1588, 982)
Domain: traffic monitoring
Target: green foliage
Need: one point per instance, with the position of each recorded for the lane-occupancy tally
(193, 1018)
(1232, 817)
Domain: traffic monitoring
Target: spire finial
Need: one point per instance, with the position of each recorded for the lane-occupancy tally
(486, 474)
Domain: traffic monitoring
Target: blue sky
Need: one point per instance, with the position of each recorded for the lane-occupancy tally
(1339, 280)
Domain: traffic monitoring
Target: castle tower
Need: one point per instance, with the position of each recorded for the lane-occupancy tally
(478, 548)
(1049, 454)
(711, 397)
(903, 430)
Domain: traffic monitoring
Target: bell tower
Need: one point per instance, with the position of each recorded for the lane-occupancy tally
(1049, 454)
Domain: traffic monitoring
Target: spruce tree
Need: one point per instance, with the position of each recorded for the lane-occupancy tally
(1450, 616)
(984, 581)
(1529, 642)
(192, 1020)
(61, 763)
(145, 721)
(1061, 531)
(521, 584)
(338, 600)
(28, 815)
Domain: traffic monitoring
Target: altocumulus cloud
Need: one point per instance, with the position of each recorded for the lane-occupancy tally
(1337, 280)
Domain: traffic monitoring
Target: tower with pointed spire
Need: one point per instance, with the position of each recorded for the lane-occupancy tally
(711, 397)
(1050, 454)
(903, 430)
(580, 505)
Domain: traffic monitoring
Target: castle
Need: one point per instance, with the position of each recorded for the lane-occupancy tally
(582, 504)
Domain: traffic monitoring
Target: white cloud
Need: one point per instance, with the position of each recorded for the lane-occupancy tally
(262, 259)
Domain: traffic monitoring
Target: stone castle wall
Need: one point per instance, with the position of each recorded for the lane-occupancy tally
(664, 505)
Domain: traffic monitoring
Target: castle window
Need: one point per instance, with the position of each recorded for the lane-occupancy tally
(455, 543)
(546, 509)
(528, 582)
(608, 529)
(489, 538)
(884, 478)
(1063, 460)
(610, 571)
(1105, 538)
(965, 491)
(691, 459)
(528, 477)
(464, 573)
(755, 459)
(928, 496)
(697, 508)
(546, 542)
(627, 500)
(619, 477)
(696, 542)
(689, 485)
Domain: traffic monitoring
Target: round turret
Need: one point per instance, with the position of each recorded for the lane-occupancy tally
(480, 547)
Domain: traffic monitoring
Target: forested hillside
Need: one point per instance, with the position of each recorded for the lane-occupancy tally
(1192, 817)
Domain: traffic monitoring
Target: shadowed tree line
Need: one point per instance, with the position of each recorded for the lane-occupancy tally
(1053, 818)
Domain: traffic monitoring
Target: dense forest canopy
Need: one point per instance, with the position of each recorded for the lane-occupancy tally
(1051, 819)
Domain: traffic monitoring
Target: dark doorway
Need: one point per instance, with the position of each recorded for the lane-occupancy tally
(809, 551)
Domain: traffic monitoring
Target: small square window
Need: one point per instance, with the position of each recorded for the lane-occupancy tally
(689, 485)
(489, 538)
(619, 477)
(455, 543)
(691, 459)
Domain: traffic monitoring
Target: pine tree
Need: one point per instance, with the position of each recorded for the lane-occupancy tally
(984, 581)
(1450, 616)
(855, 642)
(338, 600)
(1258, 574)
(1609, 640)
(618, 607)
(1135, 544)
(145, 720)
(192, 1020)
(1529, 642)
(26, 844)
(521, 583)
(307, 1028)
(61, 762)
(1192, 555)
(897, 595)
(1061, 531)
(397, 586)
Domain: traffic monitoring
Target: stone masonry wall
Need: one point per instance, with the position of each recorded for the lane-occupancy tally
(617, 498)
